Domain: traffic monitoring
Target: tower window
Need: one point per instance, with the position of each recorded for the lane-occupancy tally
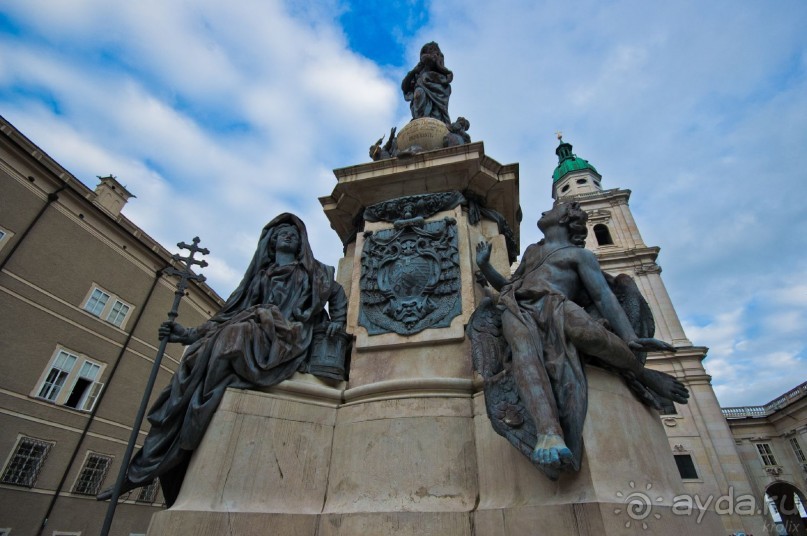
(565, 188)
(581, 181)
(603, 235)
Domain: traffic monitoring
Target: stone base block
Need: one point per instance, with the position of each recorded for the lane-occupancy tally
(420, 458)
(592, 519)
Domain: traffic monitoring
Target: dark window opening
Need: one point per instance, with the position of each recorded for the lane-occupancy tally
(686, 467)
(603, 235)
(668, 408)
(581, 181)
(565, 188)
(82, 384)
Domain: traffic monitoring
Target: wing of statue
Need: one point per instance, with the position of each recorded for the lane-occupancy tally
(641, 319)
(491, 359)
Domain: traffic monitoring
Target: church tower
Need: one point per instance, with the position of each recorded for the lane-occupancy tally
(699, 436)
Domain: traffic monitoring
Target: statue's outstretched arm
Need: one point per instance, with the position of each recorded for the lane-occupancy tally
(177, 333)
(604, 299)
(607, 303)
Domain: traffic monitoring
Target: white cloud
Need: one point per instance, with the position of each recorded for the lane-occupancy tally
(219, 116)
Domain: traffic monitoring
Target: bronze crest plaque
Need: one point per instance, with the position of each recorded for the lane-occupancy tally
(410, 277)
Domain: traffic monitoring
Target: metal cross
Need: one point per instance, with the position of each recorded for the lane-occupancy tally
(559, 134)
(185, 274)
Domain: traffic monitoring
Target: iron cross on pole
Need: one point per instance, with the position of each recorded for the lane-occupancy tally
(185, 276)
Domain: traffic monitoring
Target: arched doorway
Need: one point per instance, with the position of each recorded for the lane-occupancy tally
(787, 506)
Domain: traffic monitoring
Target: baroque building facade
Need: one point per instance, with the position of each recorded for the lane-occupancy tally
(82, 293)
(772, 441)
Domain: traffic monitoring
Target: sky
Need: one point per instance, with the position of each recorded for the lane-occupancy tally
(220, 115)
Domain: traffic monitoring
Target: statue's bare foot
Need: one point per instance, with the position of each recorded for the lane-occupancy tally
(665, 385)
(551, 450)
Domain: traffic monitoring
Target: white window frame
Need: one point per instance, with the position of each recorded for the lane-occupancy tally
(767, 455)
(100, 483)
(80, 368)
(13, 456)
(110, 311)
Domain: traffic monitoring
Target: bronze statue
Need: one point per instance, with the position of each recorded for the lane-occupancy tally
(427, 87)
(457, 133)
(531, 348)
(259, 338)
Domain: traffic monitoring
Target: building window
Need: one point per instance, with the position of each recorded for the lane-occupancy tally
(794, 443)
(92, 474)
(24, 465)
(118, 313)
(686, 467)
(5, 237)
(603, 235)
(667, 407)
(97, 302)
(71, 380)
(766, 454)
(107, 306)
(148, 493)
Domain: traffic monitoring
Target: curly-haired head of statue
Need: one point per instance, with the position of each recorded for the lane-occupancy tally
(568, 215)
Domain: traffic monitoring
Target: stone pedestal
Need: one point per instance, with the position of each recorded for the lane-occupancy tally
(405, 446)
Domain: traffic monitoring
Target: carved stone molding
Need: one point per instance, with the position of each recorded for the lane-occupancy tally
(599, 215)
(651, 268)
(413, 206)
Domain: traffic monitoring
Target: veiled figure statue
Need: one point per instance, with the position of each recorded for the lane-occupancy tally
(556, 313)
(259, 338)
(427, 87)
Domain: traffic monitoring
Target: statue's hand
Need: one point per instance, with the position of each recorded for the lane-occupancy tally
(650, 345)
(334, 328)
(174, 331)
(483, 250)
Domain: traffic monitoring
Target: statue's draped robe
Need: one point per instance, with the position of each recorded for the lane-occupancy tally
(258, 339)
(544, 313)
(428, 93)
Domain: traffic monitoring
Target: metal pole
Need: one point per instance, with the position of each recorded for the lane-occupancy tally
(184, 276)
